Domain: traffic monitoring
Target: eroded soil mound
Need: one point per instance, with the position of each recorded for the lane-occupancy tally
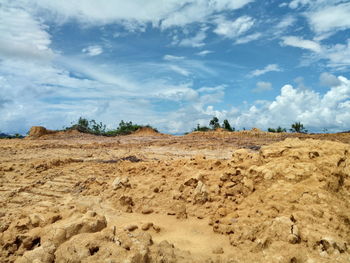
(146, 131)
(38, 131)
(287, 202)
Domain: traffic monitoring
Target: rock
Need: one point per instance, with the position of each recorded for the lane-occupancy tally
(156, 228)
(181, 212)
(147, 211)
(131, 227)
(218, 250)
(120, 182)
(200, 193)
(146, 226)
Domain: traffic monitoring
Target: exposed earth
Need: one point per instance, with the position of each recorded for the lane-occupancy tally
(219, 196)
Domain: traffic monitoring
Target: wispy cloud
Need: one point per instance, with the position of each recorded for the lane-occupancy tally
(204, 53)
(268, 68)
(301, 43)
(93, 50)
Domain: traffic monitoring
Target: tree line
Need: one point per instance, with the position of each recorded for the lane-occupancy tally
(214, 124)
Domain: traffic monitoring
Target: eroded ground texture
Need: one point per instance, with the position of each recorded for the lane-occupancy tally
(213, 197)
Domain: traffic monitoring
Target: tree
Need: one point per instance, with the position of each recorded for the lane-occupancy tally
(214, 123)
(298, 127)
(226, 125)
(278, 129)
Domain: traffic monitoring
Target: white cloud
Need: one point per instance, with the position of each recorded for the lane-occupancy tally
(204, 53)
(195, 41)
(248, 38)
(286, 22)
(233, 29)
(331, 111)
(268, 68)
(330, 18)
(179, 70)
(329, 80)
(173, 58)
(338, 55)
(22, 36)
(93, 50)
(160, 13)
(262, 86)
(301, 43)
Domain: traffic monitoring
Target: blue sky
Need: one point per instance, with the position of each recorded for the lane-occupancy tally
(175, 63)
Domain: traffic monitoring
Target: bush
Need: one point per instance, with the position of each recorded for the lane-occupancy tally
(201, 128)
(298, 127)
(214, 124)
(278, 129)
(86, 126)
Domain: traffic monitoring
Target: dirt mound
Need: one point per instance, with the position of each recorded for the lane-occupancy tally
(38, 131)
(146, 131)
(287, 202)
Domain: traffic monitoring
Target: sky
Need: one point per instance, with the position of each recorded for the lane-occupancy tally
(174, 64)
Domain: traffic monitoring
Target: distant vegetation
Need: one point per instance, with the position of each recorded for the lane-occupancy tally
(98, 128)
(215, 124)
(278, 129)
(298, 127)
(7, 136)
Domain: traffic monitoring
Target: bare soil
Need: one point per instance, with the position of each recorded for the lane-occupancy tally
(236, 197)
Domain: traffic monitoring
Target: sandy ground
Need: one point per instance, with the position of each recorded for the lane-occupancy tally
(204, 197)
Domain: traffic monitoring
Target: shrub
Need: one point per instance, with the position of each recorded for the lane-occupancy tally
(201, 128)
(278, 129)
(298, 127)
(93, 127)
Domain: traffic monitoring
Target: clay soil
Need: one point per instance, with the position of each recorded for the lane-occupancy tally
(204, 197)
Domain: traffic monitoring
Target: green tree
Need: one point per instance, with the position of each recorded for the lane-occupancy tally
(298, 127)
(227, 126)
(214, 123)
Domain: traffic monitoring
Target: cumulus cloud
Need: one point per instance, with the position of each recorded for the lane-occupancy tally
(93, 50)
(314, 110)
(233, 29)
(262, 86)
(268, 68)
(22, 36)
(329, 80)
(301, 43)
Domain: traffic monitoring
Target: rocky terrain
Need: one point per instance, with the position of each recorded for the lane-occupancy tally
(204, 197)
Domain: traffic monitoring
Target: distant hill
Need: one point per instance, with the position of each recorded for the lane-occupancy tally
(8, 136)
(4, 135)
